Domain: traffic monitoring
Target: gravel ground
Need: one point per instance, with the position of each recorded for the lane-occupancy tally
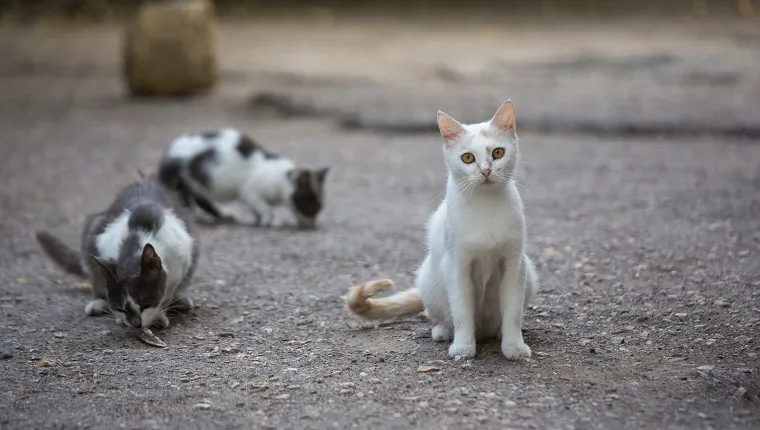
(648, 315)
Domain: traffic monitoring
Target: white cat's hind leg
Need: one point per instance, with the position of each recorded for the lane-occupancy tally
(530, 278)
(442, 333)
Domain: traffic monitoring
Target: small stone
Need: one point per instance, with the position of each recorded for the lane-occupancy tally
(283, 396)
(681, 315)
(743, 339)
(46, 363)
(428, 369)
(722, 303)
(710, 341)
(199, 337)
(58, 335)
(551, 254)
(226, 334)
(617, 340)
(740, 392)
(509, 403)
(5, 354)
(202, 406)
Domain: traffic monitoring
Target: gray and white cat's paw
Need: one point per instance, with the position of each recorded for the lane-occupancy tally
(464, 350)
(441, 333)
(161, 321)
(515, 351)
(96, 307)
(183, 304)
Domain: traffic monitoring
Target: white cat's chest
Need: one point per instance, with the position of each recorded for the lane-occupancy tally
(488, 225)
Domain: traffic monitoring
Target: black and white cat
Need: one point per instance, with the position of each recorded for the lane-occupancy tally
(139, 255)
(226, 165)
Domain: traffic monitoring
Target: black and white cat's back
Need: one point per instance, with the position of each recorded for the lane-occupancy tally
(213, 167)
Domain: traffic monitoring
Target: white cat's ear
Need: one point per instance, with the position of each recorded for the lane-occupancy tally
(450, 128)
(504, 119)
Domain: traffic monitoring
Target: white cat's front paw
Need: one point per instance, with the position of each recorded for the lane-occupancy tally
(464, 350)
(515, 351)
(441, 333)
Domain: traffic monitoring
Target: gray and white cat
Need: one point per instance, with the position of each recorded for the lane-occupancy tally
(476, 278)
(139, 255)
(226, 165)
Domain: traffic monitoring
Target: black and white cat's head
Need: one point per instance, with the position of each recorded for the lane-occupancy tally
(307, 198)
(135, 285)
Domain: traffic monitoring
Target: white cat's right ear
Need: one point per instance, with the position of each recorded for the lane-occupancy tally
(451, 130)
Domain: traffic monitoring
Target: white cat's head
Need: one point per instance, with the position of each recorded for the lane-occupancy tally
(481, 155)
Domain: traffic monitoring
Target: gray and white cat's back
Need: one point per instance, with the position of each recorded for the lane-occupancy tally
(143, 215)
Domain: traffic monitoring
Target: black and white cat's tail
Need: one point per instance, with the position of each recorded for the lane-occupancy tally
(174, 175)
(63, 255)
(401, 304)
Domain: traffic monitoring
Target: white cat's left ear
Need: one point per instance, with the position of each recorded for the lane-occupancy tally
(450, 128)
(504, 119)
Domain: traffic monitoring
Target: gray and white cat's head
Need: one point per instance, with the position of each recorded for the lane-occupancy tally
(307, 195)
(135, 283)
(484, 155)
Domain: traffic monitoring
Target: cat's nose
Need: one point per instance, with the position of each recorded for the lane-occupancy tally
(486, 173)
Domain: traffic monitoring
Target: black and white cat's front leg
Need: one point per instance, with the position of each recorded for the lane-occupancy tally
(264, 212)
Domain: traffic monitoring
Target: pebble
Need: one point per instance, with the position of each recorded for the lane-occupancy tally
(202, 406)
(226, 334)
(722, 303)
(428, 369)
(283, 396)
(551, 254)
(5, 353)
(740, 392)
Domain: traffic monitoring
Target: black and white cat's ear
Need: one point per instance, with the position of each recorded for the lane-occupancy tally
(504, 118)
(150, 262)
(322, 174)
(107, 267)
(451, 130)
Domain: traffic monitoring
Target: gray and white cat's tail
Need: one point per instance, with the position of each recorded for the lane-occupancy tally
(63, 255)
(401, 304)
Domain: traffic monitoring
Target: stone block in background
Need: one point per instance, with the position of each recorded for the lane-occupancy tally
(170, 49)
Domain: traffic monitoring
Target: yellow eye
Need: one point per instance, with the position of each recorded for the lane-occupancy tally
(497, 153)
(468, 158)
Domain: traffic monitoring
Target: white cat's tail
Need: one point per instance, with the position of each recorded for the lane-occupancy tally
(401, 304)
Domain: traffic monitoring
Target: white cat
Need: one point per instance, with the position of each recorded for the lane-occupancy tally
(476, 279)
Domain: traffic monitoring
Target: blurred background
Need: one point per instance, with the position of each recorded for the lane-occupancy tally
(660, 67)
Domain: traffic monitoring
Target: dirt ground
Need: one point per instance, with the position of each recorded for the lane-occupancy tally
(649, 309)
